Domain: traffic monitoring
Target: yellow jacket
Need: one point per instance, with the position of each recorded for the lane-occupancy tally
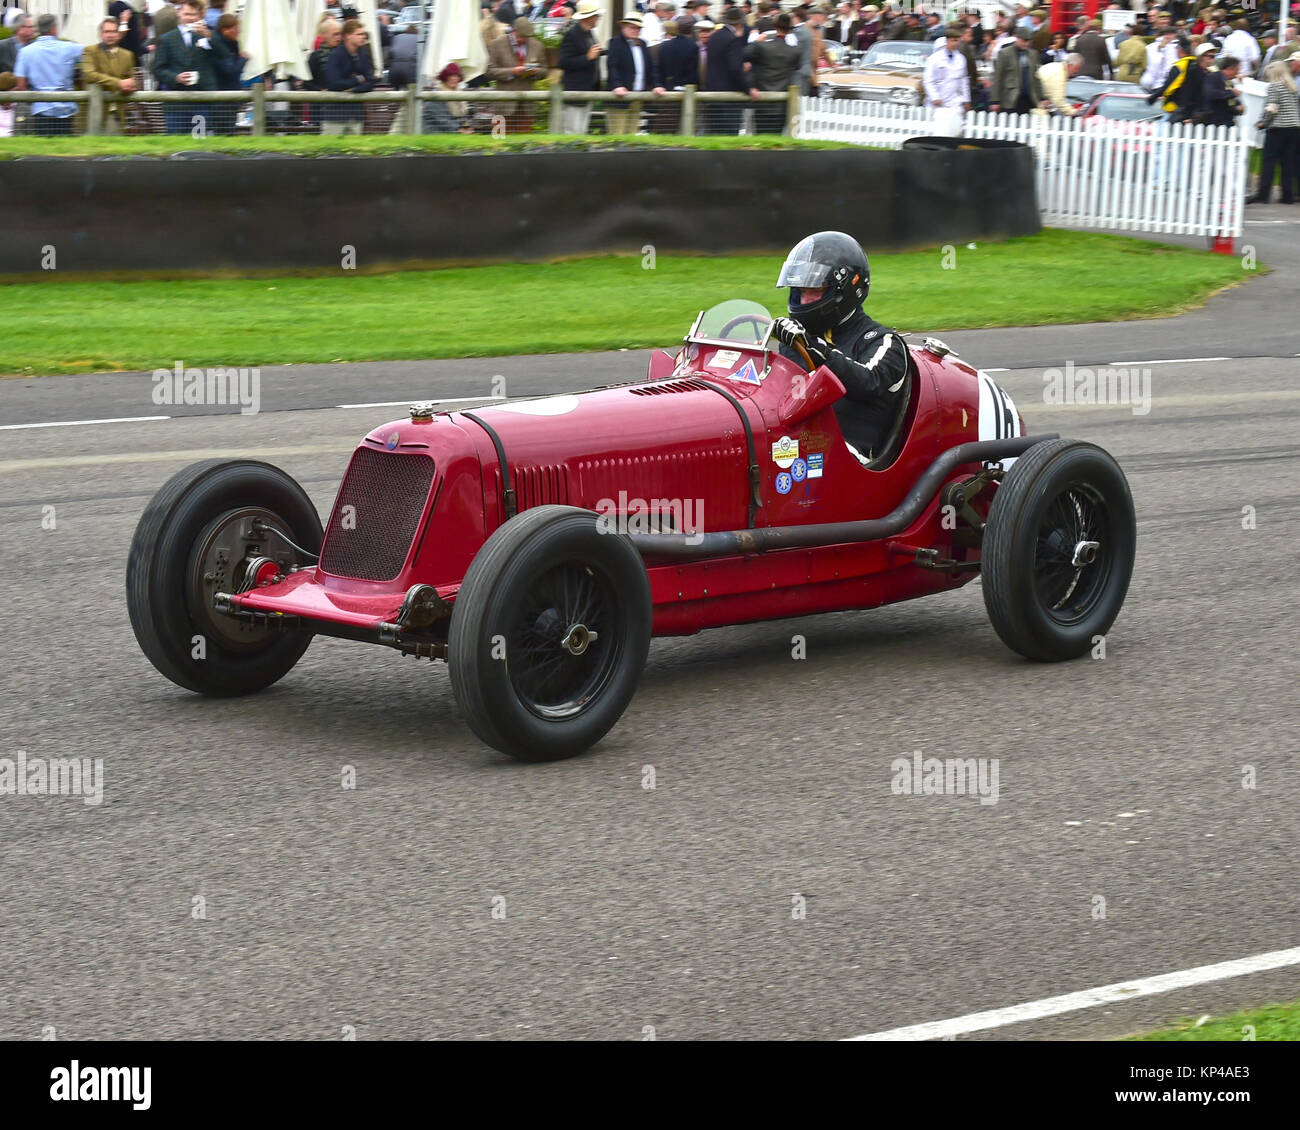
(1177, 76)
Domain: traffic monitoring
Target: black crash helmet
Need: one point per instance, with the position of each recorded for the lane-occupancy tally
(832, 260)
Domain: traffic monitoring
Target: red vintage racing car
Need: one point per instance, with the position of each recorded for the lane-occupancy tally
(538, 545)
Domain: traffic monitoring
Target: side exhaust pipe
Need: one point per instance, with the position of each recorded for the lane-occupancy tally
(732, 542)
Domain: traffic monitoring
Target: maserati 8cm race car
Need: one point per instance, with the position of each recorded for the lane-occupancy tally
(536, 546)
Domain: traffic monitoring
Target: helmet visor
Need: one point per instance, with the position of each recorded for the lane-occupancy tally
(804, 268)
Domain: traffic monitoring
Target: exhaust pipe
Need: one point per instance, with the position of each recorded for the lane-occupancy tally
(732, 542)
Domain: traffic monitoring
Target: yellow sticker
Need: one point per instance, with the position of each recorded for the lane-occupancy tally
(785, 451)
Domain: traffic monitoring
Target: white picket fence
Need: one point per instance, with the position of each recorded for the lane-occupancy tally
(1132, 176)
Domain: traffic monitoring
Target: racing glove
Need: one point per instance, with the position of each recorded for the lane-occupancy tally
(787, 331)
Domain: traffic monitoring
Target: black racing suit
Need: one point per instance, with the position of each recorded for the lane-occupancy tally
(872, 361)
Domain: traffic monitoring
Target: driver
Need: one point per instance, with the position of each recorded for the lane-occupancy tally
(829, 277)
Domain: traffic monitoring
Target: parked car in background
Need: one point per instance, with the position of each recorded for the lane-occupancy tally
(1081, 90)
(1128, 116)
(416, 14)
(1121, 108)
(888, 72)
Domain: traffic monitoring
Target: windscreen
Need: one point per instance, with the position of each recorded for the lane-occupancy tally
(1119, 108)
(737, 320)
(896, 54)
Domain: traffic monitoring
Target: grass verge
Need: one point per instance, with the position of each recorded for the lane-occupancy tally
(1272, 1022)
(609, 302)
(380, 145)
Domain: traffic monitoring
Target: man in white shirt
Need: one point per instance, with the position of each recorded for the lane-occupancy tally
(1162, 53)
(844, 27)
(947, 83)
(631, 69)
(1240, 44)
(652, 23)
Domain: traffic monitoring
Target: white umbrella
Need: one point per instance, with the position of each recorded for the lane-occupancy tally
(307, 15)
(371, 23)
(455, 38)
(77, 21)
(268, 32)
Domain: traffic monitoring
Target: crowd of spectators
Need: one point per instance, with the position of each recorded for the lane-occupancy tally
(1187, 61)
(187, 47)
(1186, 58)
(1027, 67)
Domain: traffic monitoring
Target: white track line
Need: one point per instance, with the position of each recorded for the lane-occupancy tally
(417, 400)
(79, 423)
(342, 448)
(1090, 998)
(1174, 361)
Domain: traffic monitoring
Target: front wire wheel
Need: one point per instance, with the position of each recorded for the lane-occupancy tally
(217, 526)
(549, 633)
(556, 666)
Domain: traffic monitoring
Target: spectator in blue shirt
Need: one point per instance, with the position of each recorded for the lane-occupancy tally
(48, 63)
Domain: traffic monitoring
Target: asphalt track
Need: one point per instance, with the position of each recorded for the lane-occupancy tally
(628, 909)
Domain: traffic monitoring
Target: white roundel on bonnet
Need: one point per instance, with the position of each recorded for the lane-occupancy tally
(998, 418)
(551, 406)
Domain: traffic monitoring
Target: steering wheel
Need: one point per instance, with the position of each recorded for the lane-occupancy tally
(759, 321)
(763, 325)
(804, 355)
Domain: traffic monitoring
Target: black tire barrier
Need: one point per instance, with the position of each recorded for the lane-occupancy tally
(204, 212)
(965, 185)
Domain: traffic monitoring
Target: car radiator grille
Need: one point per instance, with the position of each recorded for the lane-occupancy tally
(376, 515)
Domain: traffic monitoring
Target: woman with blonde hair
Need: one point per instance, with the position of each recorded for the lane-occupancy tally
(1281, 124)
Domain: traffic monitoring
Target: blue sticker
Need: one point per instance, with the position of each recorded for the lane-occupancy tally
(798, 470)
(747, 373)
(815, 462)
(784, 483)
(393, 441)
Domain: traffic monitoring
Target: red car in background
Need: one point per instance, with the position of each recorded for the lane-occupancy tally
(1121, 108)
(536, 546)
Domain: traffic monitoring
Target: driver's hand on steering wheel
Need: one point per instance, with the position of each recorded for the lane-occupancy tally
(787, 331)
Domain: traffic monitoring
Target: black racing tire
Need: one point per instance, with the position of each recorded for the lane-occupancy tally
(1060, 495)
(540, 575)
(165, 614)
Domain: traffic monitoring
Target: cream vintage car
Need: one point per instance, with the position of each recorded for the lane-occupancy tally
(887, 72)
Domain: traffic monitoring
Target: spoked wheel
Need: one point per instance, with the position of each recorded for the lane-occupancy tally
(1073, 554)
(549, 634)
(1058, 550)
(218, 526)
(557, 667)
